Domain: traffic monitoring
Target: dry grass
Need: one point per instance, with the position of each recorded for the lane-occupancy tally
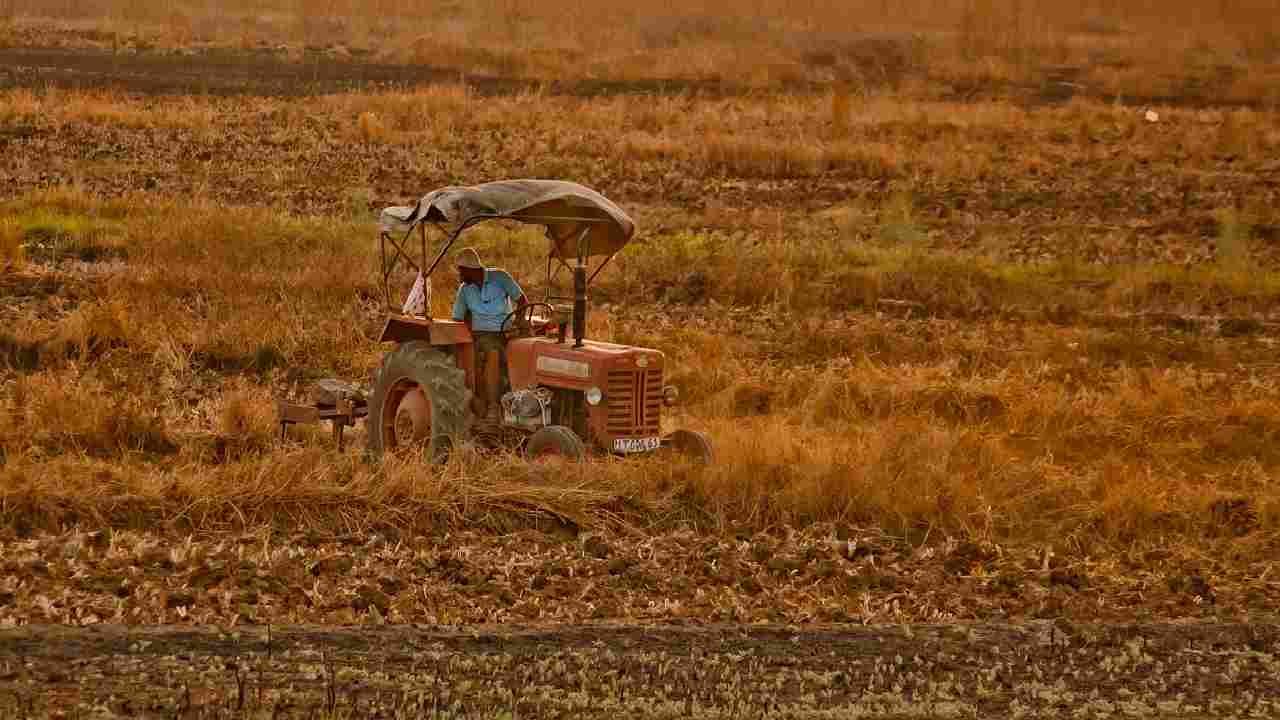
(151, 402)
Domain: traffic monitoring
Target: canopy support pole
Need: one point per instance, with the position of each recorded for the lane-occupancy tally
(580, 292)
(388, 268)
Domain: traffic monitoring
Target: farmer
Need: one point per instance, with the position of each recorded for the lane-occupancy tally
(483, 302)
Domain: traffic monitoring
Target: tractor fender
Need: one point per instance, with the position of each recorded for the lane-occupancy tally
(402, 328)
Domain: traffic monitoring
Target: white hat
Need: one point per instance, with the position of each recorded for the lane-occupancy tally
(469, 258)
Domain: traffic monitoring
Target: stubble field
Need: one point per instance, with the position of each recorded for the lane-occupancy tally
(992, 360)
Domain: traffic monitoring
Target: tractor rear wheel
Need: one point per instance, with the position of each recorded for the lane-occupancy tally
(555, 442)
(421, 381)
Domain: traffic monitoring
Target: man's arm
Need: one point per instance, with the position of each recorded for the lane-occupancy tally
(513, 289)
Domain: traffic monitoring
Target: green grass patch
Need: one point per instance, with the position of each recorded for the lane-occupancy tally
(12, 250)
(1234, 236)
(49, 236)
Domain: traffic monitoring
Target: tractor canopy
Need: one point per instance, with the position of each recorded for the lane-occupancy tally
(566, 209)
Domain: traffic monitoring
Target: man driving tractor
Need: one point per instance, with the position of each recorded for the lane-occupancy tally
(483, 303)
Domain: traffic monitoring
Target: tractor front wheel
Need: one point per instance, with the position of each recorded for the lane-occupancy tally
(690, 444)
(420, 381)
(555, 442)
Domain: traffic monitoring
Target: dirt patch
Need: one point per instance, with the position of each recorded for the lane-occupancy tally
(267, 72)
(225, 72)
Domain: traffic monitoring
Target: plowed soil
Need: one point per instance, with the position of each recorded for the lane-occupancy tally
(476, 626)
(978, 670)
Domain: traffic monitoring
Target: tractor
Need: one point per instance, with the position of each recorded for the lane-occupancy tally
(569, 396)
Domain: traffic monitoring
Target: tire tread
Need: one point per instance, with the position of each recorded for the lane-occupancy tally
(446, 385)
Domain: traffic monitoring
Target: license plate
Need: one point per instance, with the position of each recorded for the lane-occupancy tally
(635, 445)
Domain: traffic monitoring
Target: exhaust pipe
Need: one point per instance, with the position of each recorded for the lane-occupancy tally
(579, 304)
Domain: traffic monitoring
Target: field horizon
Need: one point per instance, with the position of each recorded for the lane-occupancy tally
(1115, 50)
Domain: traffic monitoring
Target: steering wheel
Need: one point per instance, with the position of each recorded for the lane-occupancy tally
(525, 314)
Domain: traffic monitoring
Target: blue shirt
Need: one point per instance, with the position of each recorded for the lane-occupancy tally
(488, 304)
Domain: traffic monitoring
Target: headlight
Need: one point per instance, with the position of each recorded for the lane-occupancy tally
(594, 396)
(670, 395)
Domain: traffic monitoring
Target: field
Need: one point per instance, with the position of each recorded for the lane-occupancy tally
(978, 301)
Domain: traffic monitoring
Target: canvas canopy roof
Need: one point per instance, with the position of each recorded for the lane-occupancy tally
(565, 208)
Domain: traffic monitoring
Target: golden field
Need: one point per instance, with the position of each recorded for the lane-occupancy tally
(1040, 327)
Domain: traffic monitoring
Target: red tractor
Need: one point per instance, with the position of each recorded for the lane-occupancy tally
(569, 395)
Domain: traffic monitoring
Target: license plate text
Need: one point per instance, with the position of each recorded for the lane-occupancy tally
(635, 445)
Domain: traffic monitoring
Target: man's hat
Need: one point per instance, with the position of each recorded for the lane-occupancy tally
(469, 258)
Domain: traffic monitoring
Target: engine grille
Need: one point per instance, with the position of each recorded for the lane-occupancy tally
(634, 400)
